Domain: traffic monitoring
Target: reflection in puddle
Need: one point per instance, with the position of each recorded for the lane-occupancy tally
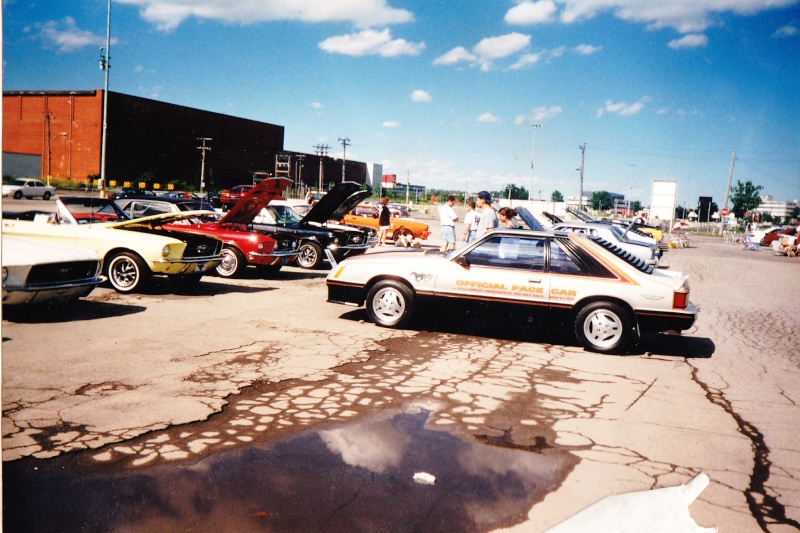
(357, 477)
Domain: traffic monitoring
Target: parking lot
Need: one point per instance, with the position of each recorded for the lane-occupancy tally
(168, 380)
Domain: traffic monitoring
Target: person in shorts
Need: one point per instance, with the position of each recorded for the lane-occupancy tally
(384, 221)
(447, 220)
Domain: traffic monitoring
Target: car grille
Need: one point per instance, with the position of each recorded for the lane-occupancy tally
(284, 243)
(203, 248)
(62, 272)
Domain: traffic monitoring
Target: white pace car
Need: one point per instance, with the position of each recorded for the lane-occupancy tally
(565, 280)
(37, 273)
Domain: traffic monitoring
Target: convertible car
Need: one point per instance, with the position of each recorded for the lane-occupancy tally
(132, 250)
(47, 274)
(564, 280)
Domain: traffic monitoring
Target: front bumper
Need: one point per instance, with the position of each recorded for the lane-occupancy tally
(49, 294)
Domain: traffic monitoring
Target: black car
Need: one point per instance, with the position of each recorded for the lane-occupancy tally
(320, 236)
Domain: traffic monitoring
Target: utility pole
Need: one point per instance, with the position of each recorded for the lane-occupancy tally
(322, 152)
(533, 148)
(104, 65)
(580, 191)
(203, 149)
(300, 168)
(730, 177)
(345, 143)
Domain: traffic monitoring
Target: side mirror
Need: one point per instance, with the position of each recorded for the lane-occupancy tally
(462, 260)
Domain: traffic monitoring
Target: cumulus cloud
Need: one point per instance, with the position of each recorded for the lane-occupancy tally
(539, 114)
(487, 50)
(391, 124)
(587, 49)
(526, 60)
(420, 96)
(527, 13)
(488, 117)
(65, 36)
(316, 105)
(694, 40)
(371, 42)
(685, 17)
(167, 15)
(786, 31)
(623, 109)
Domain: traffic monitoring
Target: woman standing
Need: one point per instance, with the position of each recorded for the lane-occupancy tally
(384, 221)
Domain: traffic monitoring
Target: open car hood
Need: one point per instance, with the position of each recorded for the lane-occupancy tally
(336, 203)
(529, 219)
(158, 220)
(255, 200)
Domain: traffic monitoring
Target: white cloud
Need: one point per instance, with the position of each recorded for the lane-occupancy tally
(138, 68)
(371, 42)
(526, 60)
(391, 124)
(316, 105)
(623, 109)
(587, 49)
(169, 14)
(65, 35)
(526, 13)
(684, 16)
(539, 114)
(488, 117)
(502, 46)
(694, 40)
(456, 55)
(786, 31)
(420, 96)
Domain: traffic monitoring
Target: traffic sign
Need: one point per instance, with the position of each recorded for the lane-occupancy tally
(724, 211)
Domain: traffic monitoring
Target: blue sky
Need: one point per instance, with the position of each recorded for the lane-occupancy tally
(444, 92)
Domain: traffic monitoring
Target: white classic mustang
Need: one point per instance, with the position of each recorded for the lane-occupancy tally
(569, 280)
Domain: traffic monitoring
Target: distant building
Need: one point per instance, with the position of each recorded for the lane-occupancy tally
(58, 134)
(777, 209)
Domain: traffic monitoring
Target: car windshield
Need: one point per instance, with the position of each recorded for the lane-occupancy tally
(89, 210)
(277, 214)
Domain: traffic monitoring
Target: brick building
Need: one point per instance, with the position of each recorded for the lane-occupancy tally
(58, 134)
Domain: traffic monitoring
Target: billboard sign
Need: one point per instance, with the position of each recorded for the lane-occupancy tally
(663, 200)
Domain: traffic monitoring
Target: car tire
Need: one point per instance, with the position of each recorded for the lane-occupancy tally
(397, 234)
(127, 272)
(310, 255)
(232, 264)
(604, 327)
(17, 195)
(390, 304)
(46, 195)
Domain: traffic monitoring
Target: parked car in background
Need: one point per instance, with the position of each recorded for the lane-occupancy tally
(367, 215)
(132, 250)
(564, 280)
(399, 210)
(776, 236)
(138, 208)
(759, 235)
(230, 197)
(243, 243)
(28, 188)
(47, 274)
(129, 192)
(615, 235)
(321, 239)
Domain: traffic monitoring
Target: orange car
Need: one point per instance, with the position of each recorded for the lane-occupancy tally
(367, 215)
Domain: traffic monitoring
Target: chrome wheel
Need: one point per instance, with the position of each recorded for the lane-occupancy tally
(232, 263)
(310, 255)
(390, 304)
(126, 272)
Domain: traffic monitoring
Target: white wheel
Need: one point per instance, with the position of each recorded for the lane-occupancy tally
(603, 327)
(126, 272)
(390, 304)
(232, 264)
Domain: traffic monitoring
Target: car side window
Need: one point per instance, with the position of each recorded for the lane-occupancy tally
(561, 263)
(510, 252)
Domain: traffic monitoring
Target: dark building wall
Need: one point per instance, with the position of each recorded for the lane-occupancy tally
(147, 136)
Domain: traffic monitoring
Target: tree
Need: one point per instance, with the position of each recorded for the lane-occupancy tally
(745, 198)
(636, 206)
(601, 200)
(514, 193)
(556, 196)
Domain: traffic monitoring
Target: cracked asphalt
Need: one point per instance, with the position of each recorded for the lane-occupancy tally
(134, 382)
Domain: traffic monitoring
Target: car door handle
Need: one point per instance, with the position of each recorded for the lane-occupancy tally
(535, 280)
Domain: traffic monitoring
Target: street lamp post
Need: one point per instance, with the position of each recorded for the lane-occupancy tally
(533, 149)
(105, 66)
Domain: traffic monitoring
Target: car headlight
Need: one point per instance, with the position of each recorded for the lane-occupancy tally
(5, 274)
(165, 251)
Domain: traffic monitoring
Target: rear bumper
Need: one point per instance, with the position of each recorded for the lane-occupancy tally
(654, 322)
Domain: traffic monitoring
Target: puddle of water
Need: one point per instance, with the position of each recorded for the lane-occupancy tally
(357, 477)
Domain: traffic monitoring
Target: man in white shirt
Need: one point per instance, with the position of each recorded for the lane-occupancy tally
(448, 219)
(488, 214)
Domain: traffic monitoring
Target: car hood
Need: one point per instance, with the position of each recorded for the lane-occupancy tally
(17, 251)
(255, 200)
(157, 220)
(336, 203)
(529, 219)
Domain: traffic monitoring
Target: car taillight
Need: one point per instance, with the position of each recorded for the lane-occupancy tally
(680, 298)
